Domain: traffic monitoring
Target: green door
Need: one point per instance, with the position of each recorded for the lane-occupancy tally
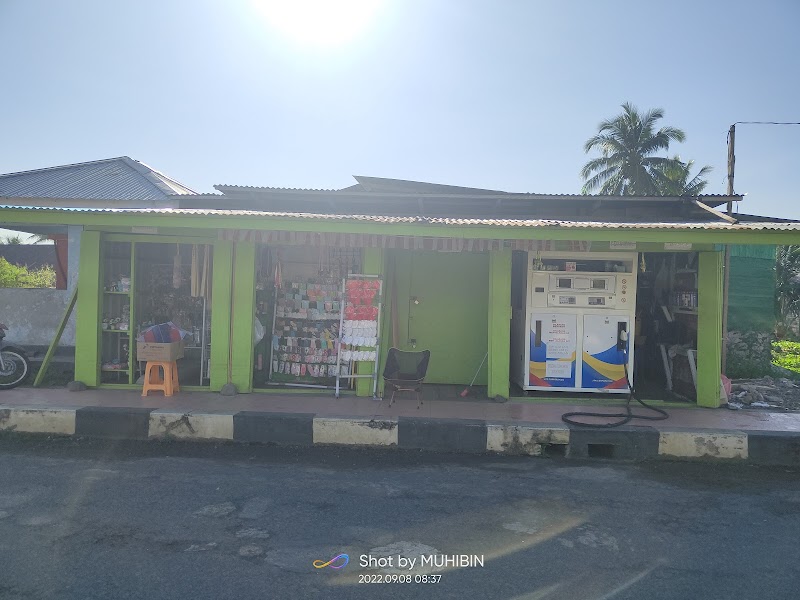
(442, 300)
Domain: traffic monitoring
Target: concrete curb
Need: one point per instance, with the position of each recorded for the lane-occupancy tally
(355, 431)
(113, 422)
(446, 435)
(191, 425)
(32, 419)
(620, 443)
(703, 443)
(532, 439)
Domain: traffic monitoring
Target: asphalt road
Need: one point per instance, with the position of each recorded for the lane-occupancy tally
(88, 519)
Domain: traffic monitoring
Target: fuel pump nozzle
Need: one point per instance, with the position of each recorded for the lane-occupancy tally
(622, 336)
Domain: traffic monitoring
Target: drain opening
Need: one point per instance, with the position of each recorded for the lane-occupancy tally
(554, 450)
(600, 450)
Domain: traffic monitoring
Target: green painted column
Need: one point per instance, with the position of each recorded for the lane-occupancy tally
(88, 311)
(499, 322)
(709, 328)
(243, 312)
(372, 264)
(221, 313)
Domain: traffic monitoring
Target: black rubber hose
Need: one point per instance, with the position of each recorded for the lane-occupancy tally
(623, 418)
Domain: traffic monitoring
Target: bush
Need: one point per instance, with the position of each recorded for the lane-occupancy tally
(749, 354)
(21, 277)
(787, 355)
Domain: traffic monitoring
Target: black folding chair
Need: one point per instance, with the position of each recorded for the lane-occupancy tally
(405, 372)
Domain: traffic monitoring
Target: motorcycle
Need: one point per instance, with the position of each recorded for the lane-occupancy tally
(14, 365)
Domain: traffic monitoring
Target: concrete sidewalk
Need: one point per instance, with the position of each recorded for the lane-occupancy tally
(516, 427)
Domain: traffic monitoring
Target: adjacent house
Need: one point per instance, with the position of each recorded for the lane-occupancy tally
(121, 182)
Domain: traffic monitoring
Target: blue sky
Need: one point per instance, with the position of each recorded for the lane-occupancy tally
(494, 94)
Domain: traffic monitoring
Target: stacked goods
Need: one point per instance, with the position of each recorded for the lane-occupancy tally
(360, 325)
(305, 333)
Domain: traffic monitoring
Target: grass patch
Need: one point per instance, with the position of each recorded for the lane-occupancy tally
(786, 354)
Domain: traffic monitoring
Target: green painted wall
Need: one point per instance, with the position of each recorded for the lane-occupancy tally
(451, 319)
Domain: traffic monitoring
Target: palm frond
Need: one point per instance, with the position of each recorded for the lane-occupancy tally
(629, 144)
(598, 179)
(597, 164)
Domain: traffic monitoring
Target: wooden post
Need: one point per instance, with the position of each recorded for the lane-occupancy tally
(726, 265)
(54, 344)
(731, 164)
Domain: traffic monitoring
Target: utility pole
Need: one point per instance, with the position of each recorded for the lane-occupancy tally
(726, 281)
(731, 163)
(726, 265)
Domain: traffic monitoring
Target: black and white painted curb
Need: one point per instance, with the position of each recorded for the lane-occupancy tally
(447, 435)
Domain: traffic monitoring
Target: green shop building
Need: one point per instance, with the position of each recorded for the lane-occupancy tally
(541, 295)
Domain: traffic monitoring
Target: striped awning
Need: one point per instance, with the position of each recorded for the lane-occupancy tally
(400, 242)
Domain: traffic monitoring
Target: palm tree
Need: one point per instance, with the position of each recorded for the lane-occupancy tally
(679, 181)
(628, 143)
(12, 240)
(39, 238)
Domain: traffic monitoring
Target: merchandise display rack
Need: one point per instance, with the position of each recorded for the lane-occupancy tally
(304, 335)
(117, 351)
(359, 328)
(127, 309)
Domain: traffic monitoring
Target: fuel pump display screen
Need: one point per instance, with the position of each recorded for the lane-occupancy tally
(598, 284)
(565, 283)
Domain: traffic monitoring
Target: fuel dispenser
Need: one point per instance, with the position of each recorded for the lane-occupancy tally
(574, 331)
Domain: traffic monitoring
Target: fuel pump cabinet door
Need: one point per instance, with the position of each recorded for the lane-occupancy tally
(605, 352)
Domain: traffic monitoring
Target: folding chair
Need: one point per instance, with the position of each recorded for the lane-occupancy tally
(405, 372)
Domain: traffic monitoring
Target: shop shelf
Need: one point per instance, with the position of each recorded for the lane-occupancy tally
(118, 293)
(115, 370)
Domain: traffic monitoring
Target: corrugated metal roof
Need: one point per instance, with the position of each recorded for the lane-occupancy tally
(119, 178)
(382, 184)
(708, 225)
(222, 187)
(438, 201)
(378, 185)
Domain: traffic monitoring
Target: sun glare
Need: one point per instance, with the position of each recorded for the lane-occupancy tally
(319, 22)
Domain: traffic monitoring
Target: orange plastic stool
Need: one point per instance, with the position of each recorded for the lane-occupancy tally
(161, 376)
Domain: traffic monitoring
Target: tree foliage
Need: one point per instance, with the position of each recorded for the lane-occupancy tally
(679, 180)
(22, 277)
(787, 286)
(629, 163)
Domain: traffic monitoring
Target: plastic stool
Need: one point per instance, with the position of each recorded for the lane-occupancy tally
(161, 376)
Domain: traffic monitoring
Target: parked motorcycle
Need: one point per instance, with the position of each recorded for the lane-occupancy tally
(14, 365)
